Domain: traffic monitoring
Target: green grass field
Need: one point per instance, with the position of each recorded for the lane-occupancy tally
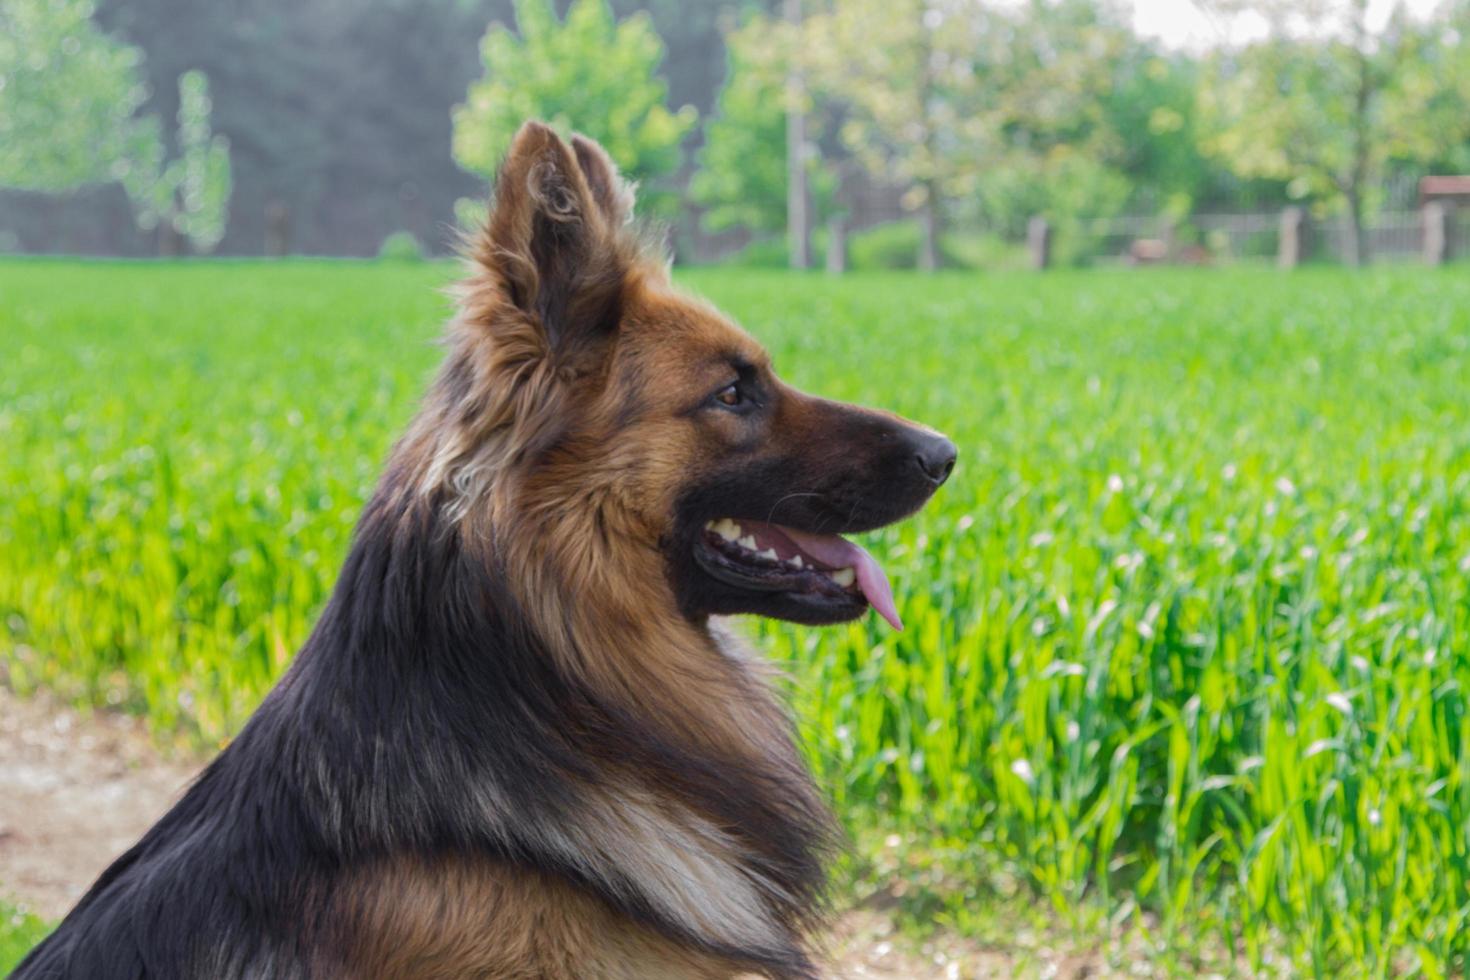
(19, 931)
(1187, 632)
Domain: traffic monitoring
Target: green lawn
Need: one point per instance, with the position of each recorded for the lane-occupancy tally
(1187, 632)
(19, 931)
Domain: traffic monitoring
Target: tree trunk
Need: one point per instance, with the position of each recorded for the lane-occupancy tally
(836, 246)
(1356, 252)
(929, 213)
(277, 229)
(929, 230)
(170, 242)
(1435, 219)
(1291, 249)
(1038, 242)
(1357, 244)
(798, 196)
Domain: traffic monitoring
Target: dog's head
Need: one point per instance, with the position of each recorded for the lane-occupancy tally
(609, 415)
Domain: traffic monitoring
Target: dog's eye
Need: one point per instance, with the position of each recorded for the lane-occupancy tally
(731, 396)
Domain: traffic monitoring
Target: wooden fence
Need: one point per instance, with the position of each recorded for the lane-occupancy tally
(1434, 233)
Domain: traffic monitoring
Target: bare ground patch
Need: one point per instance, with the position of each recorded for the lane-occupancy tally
(78, 788)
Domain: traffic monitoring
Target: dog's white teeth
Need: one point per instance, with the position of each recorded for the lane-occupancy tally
(724, 527)
(747, 542)
(770, 554)
(844, 577)
(796, 561)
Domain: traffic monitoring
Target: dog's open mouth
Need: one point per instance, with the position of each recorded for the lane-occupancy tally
(771, 558)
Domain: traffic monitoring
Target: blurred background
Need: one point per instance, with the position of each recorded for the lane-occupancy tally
(833, 133)
(1185, 683)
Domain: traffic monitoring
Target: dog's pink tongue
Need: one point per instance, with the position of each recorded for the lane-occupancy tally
(838, 552)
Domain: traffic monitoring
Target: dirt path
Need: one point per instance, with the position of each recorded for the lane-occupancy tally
(75, 792)
(77, 789)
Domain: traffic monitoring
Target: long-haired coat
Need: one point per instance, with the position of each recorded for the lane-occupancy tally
(516, 745)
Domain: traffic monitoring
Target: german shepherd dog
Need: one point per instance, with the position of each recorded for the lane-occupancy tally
(516, 745)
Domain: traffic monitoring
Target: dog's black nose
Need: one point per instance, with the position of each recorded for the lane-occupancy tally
(935, 456)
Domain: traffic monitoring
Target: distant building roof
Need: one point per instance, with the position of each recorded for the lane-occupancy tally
(1431, 188)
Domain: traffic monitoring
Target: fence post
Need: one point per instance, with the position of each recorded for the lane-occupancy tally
(170, 242)
(798, 193)
(836, 246)
(277, 229)
(1038, 240)
(1292, 247)
(1436, 233)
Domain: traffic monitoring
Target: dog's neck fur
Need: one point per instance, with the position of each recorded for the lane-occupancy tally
(502, 677)
(556, 721)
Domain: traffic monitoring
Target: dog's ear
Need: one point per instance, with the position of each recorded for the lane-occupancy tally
(555, 236)
(613, 194)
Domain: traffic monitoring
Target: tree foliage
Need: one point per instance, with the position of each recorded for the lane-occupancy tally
(69, 117)
(1152, 108)
(191, 193)
(995, 110)
(903, 71)
(1328, 114)
(69, 95)
(339, 113)
(1053, 144)
(1440, 83)
(980, 109)
(742, 179)
(990, 112)
(589, 73)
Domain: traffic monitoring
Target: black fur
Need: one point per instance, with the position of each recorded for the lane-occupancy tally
(420, 688)
(861, 473)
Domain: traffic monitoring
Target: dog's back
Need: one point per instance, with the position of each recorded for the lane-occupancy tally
(178, 904)
(383, 817)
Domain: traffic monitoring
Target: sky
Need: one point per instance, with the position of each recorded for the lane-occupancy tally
(1186, 24)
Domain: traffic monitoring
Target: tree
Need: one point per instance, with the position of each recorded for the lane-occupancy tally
(190, 195)
(973, 103)
(69, 95)
(588, 73)
(1153, 109)
(743, 176)
(1442, 75)
(338, 114)
(1328, 113)
(69, 101)
(904, 71)
(1053, 74)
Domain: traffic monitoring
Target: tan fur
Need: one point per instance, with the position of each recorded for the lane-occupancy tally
(469, 919)
(579, 532)
(582, 532)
